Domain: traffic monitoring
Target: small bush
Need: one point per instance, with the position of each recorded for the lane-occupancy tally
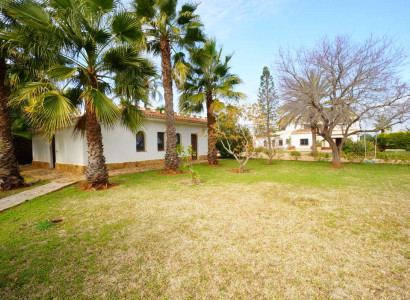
(359, 148)
(348, 146)
(185, 156)
(319, 156)
(296, 155)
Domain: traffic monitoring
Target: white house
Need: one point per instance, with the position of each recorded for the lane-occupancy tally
(299, 137)
(122, 148)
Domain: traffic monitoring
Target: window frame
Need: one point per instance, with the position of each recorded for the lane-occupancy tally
(307, 142)
(163, 141)
(143, 139)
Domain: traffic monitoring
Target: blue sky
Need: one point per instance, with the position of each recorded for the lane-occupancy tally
(255, 29)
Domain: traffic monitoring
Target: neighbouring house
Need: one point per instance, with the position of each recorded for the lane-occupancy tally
(299, 137)
(122, 148)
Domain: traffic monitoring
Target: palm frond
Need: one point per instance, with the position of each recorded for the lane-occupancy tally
(51, 112)
(126, 28)
(131, 117)
(106, 111)
(61, 72)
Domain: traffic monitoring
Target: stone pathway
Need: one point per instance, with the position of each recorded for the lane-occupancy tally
(19, 198)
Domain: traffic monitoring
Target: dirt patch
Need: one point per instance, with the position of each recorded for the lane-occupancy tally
(163, 173)
(86, 187)
(305, 202)
(236, 171)
(189, 182)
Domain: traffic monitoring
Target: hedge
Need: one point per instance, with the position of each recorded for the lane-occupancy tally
(396, 140)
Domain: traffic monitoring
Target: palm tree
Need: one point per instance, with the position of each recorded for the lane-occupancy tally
(166, 29)
(208, 81)
(314, 88)
(9, 171)
(382, 123)
(100, 45)
(14, 70)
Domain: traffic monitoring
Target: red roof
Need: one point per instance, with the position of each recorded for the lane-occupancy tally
(155, 114)
(302, 131)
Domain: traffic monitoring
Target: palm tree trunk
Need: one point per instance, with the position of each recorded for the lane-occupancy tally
(96, 174)
(314, 146)
(212, 151)
(9, 171)
(171, 157)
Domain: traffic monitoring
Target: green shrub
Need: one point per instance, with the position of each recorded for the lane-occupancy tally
(358, 148)
(395, 140)
(320, 156)
(296, 155)
(348, 146)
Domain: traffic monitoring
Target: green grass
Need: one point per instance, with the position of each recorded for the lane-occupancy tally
(290, 230)
(32, 183)
(392, 152)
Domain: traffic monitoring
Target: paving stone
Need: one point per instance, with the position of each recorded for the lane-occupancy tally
(19, 198)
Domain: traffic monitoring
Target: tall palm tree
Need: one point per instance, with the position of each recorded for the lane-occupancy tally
(208, 81)
(166, 29)
(14, 70)
(101, 45)
(9, 171)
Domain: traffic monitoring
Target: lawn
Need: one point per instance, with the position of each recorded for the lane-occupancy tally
(290, 230)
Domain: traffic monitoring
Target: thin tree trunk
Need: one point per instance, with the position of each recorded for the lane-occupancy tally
(96, 174)
(9, 170)
(171, 157)
(314, 146)
(269, 140)
(212, 151)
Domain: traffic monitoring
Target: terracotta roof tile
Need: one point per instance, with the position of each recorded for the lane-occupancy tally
(177, 117)
(301, 131)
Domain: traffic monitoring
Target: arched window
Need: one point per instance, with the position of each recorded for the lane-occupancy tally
(178, 137)
(265, 144)
(140, 141)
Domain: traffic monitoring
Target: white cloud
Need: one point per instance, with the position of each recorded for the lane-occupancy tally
(221, 17)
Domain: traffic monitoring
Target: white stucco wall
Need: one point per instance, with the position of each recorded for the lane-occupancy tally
(70, 150)
(41, 149)
(119, 143)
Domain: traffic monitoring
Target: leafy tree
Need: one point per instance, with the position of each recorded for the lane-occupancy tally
(99, 43)
(268, 102)
(167, 29)
(207, 82)
(233, 135)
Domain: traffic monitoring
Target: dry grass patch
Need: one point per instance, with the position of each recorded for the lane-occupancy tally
(251, 236)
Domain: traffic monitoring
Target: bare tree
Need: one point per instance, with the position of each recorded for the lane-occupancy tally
(342, 83)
